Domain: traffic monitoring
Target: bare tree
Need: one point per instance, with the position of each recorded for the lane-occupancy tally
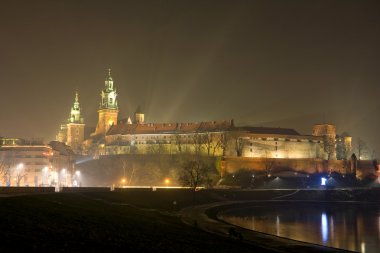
(178, 142)
(128, 170)
(223, 142)
(195, 172)
(198, 143)
(19, 176)
(209, 142)
(5, 172)
(239, 145)
(268, 163)
(217, 144)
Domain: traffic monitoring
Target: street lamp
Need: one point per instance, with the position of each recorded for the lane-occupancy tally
(123, 180)
(167, 182)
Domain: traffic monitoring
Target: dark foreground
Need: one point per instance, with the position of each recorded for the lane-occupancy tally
(83, 222)
(114, 222)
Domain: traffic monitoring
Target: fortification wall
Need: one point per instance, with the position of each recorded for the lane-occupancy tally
(234, 164)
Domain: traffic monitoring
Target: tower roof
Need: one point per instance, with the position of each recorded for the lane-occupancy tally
(108, 94)
(75, 113)
(108, 76)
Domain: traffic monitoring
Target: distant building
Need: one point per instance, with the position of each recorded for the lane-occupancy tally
(23, 164)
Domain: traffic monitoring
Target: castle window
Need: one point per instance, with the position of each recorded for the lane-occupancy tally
(110, 100)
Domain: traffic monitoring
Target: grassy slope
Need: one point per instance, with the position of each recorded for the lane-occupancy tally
(79, 222)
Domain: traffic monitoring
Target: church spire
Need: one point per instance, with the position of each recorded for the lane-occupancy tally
(109, 82)
(108, 93)
(108, 109)
(75, 114)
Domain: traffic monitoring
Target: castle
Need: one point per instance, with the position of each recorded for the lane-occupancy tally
(113, 136)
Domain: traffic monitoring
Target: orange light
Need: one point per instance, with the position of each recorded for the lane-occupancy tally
(167, 181)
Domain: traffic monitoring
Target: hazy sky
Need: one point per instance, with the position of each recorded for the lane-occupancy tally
(266, 63)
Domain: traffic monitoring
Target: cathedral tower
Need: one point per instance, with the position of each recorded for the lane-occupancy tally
(108, 109)
(75, 126)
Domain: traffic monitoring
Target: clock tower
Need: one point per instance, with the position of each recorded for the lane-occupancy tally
(108, 109)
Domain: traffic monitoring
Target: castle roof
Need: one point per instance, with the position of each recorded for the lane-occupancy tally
(268, 130)
(161, 128)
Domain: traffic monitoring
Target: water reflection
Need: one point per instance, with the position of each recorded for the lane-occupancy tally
(324, 228)
(352, 227)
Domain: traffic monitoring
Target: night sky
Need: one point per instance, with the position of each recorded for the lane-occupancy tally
(264, 63)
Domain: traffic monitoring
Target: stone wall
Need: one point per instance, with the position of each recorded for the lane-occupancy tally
(234, 164)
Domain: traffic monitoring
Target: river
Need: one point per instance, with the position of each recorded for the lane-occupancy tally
(353, 227)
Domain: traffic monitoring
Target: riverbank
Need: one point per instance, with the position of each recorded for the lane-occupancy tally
(206, 217)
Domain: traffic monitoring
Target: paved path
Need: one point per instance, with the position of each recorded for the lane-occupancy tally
(196, 216)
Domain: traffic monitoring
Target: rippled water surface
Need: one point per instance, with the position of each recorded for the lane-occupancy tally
(347, 226)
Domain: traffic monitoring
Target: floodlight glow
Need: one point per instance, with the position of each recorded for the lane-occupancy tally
(77, 173)
(323, 181)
